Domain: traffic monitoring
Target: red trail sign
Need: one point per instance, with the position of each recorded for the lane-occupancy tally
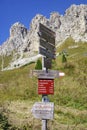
(46, 86)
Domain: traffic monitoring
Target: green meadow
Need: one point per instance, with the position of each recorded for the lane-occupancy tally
(18, 92)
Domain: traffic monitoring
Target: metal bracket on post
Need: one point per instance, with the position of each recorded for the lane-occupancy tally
(45, 98)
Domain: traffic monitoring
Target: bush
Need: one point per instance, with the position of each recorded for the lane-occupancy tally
(4, 122)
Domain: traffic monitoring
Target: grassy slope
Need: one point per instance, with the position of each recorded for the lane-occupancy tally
(70, 92)
(6, 61)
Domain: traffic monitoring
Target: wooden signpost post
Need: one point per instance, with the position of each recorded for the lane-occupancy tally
(45, 110)
(47, 49)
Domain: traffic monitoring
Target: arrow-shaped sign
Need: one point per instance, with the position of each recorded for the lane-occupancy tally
(50, 75)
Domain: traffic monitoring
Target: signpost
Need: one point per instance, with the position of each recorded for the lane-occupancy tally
(47, 45)
(47, 34)
(47, 49)
(46, 52)
(45, 110)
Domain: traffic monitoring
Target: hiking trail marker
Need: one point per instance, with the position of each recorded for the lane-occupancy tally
(47, 45)
(45, 110)
(46, 86)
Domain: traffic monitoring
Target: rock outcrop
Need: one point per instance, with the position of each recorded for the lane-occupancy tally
(25, 41)
(16, 40)
(74, 24)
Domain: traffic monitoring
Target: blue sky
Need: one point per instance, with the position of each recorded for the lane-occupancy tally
(12, 11)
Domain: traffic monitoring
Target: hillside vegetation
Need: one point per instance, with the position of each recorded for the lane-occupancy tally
(18, 93)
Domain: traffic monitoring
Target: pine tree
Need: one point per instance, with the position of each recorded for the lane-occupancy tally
(38, 65)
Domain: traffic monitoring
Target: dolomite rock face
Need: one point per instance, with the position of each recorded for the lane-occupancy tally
(32, 38)
(26, 41)
(74, 24)
(16, 40)
(55, 21)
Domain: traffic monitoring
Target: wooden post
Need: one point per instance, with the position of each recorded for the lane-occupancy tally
(44, 99)
(44, 124)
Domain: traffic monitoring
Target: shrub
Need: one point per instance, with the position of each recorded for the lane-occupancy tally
(4, 122)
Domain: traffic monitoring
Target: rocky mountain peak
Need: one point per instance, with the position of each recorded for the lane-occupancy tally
(18, 29)
(26, 41)
(74, 23)
(36, 20)
(76, 10)
(55, 20)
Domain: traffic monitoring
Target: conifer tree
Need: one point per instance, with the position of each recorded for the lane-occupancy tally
(38, 65)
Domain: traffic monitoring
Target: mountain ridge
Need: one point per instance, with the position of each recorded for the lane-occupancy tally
(25, 42)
